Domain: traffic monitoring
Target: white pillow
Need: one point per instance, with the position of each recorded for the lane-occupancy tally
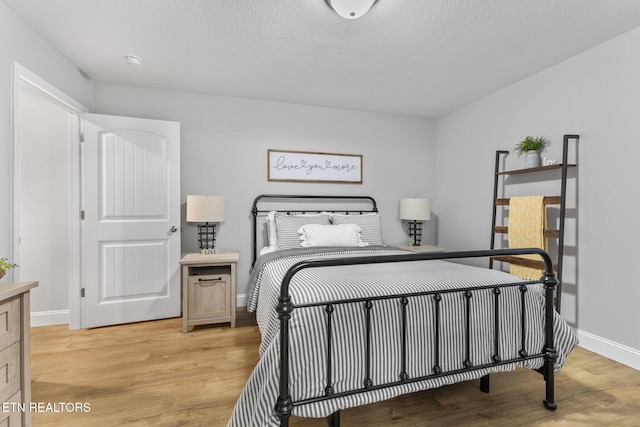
(330, 235)
(272, 235)
(370, 226)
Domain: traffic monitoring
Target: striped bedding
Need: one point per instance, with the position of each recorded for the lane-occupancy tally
(308, 329)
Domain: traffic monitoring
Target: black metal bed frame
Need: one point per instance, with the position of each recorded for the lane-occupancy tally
(284, 405)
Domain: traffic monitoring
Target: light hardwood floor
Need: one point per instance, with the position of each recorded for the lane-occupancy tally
(151, 374)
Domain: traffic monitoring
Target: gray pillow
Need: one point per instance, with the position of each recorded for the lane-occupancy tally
(287, 227)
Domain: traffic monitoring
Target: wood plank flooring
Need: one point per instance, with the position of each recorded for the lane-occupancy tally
(151, 374)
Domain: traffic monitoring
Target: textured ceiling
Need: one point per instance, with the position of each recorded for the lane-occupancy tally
(414, 57)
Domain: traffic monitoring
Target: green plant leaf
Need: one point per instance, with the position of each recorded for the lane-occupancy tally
(532, 144)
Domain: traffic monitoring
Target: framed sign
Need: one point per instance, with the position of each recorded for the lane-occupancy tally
(307, 166)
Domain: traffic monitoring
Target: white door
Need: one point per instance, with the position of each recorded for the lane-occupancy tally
(131, 202)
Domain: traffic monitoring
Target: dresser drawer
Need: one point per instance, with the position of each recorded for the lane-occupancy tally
(12, 418)
(9, 322)
(9, 371)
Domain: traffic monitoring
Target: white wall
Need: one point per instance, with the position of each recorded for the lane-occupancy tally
(597, 95)
(224, 152)
(44, 199)
(20, 43)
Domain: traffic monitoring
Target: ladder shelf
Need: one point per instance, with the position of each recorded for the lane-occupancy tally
(548, 200)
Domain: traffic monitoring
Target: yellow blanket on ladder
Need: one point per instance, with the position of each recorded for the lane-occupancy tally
(527, 221)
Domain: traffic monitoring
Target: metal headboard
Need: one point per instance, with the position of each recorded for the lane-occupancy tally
(287, 199)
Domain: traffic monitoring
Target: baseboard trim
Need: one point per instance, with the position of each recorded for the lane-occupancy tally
(59, 317)
(612, 350)
(49, 318)
(241, 300)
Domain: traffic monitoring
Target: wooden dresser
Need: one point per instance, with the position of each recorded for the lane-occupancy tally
(15, 353)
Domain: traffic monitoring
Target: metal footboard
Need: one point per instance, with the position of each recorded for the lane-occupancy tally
(285, 404)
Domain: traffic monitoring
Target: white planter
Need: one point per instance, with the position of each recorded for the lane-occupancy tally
(532, 159)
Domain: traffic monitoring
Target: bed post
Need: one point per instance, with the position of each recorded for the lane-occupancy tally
(551, 354)
(484, 383)
(284, 404)
(254, 230)
(334, 419)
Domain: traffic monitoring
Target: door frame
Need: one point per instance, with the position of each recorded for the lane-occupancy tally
(76, 109)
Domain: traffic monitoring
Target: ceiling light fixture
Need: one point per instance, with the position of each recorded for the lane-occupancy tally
(133, 60)
(351, 9)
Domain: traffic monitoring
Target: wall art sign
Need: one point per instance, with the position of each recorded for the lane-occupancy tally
(304, 166)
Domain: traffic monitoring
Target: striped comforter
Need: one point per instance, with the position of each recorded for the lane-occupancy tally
(308, 329)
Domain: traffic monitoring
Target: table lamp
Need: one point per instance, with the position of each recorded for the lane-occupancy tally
(415, 210)
(208, 210)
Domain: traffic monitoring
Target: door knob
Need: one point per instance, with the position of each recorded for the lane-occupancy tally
(173, 229)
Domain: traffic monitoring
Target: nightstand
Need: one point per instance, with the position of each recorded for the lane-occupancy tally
(209, 289)
(422, 248)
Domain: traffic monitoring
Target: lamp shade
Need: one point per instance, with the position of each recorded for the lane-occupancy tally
(205, 209)
(415, 209)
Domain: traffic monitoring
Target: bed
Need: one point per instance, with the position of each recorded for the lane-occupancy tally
(347, 321)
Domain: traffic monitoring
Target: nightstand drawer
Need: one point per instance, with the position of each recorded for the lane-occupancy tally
(209, 295)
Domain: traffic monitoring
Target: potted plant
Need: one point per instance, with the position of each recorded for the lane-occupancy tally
(4, 266)
(532, 147)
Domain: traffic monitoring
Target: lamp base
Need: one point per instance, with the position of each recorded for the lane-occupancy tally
(206, 237)
(415, 233)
